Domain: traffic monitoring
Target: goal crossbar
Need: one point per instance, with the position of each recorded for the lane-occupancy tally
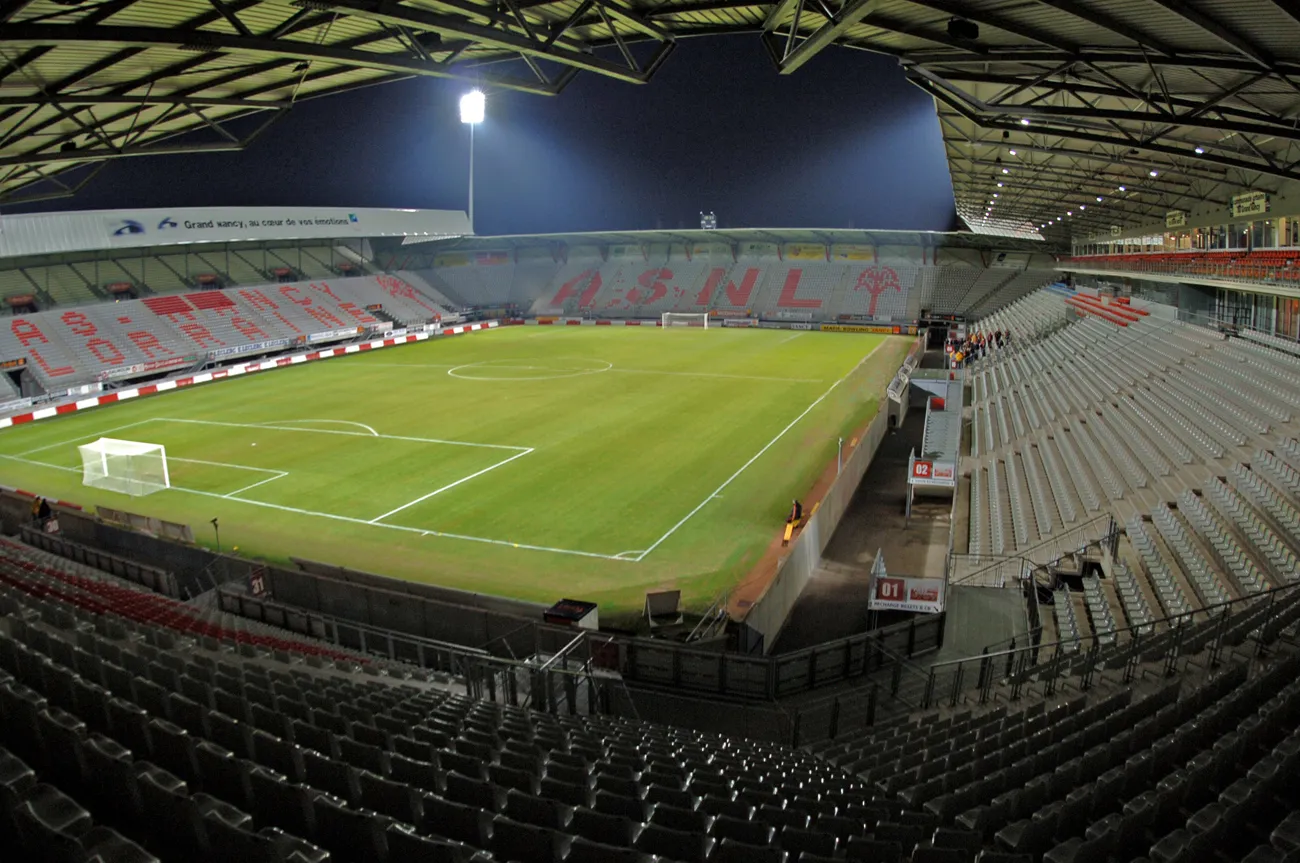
(124, 466)
(684, 319)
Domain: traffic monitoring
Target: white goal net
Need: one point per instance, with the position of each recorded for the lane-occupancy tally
(124, 466)
(685, 319)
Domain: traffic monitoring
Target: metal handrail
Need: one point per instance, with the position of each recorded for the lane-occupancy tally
(1054, 543)
(1205, 610)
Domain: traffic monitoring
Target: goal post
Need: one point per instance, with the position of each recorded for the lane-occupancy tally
(685, 319)
(124, 466)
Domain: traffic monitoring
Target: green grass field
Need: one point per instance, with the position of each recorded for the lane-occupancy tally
(530, 462)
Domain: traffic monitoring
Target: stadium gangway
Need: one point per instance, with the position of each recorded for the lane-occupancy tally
(517, 682)
(1259, 620)
(1000, 570)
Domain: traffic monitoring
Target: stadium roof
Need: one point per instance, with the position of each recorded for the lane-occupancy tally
(1091, 94)
(783, 236)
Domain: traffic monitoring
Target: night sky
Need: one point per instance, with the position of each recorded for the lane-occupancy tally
(844, 142)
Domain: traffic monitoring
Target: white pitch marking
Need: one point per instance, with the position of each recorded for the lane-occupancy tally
(341, 432)
(720, 375)
(729, 480)
(279, 474)
(345, 518)
(91, 436)
(340, 422)
(449, 486)
(224, 464)
(790, 338)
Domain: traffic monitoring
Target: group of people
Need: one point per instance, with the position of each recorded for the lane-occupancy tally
(42, 515)
(975, 346)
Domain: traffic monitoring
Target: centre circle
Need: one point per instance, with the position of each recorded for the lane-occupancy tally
(530, 369)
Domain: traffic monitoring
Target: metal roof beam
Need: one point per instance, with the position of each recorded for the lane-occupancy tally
(150, 37)
(1218, 31)
(487, 35)
(1108, 23)
(146, 99)
(240, 27)
(27, 159)
(1195, 106)
(1284, 172)
(849, 15)
(1020, 57)
(1006, 25)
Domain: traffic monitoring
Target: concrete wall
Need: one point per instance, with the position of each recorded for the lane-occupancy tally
(769, 613)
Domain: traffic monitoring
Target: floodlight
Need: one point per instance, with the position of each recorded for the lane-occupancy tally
(473, 106)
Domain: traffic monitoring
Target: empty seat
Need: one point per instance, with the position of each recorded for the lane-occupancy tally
(526, 843)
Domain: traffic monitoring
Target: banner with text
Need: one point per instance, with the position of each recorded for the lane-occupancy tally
(892, 593)
(1249, 204)
(145, 368)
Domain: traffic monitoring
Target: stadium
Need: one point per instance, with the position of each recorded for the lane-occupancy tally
(338, 533)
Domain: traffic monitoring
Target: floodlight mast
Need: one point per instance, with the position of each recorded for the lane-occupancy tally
(472, 109)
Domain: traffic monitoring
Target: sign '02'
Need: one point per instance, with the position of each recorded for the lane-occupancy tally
(922, 469)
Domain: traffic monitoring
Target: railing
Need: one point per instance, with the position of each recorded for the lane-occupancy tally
(1260, 618)
(570, 672)
(1244, 269)
(901, 690)
(1000, 570)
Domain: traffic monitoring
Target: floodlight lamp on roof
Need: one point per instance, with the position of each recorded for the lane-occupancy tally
(999, 185)
(1154, 172)
(1024, 121)
(1123, 189)
(1199, 150)
(473, 106)
(1099, 199)
(1012, 152)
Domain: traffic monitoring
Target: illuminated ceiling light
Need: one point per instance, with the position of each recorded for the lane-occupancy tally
(995, 194)
(1199, 150)
(999, 185)
(1123, 189)
(1069, 212)
(1083, 206)
(1099, 199)
(1024, 121)
(1012, 152)
(1154, 172)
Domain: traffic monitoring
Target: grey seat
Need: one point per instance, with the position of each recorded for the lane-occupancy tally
(602, 828)
(351, 834)
(394, 799)
(585, 851)
(526, 843)
(409, 847)
(455, 821)
(674, 844)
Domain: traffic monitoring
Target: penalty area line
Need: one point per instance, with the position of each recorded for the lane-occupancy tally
(417, 530)
(448, 486)
(361, 521)
(717, 492)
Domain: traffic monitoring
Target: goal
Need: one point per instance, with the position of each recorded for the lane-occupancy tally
(124, 466)
(685, 319)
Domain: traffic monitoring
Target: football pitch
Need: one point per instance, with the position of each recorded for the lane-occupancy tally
(533, 462)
